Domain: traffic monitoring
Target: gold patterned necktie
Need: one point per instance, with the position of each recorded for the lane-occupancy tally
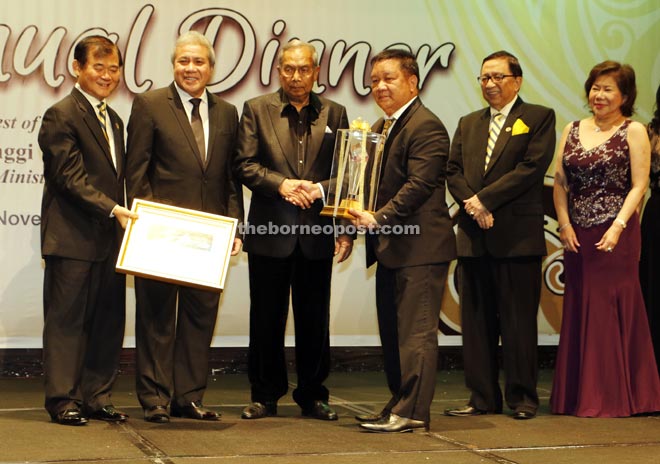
(493, 133)
(198, 127)
(386, 126)
(101, 117)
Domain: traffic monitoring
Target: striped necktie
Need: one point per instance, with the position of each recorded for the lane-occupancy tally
(493, 133)
(101, 117)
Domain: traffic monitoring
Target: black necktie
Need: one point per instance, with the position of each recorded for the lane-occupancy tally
(197, 127)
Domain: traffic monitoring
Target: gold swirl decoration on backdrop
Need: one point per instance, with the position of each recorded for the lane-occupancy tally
(556, 42)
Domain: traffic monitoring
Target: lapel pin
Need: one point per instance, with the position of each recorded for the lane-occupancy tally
(508, 129)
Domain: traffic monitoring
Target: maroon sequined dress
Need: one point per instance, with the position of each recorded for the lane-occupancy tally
(605, 363)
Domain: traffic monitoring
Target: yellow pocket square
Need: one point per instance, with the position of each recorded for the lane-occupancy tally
(519, 127)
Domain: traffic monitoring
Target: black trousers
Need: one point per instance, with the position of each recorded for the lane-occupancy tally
(408, 304)
(500, 299)
(173, 331)
(84, 318)
(272, 282)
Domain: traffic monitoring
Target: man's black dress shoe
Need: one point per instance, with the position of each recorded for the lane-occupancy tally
(194, 410)
(320, 410)
(372, 417)
(108, 413)
(523, 414)
(257, 410)
(467, 410)
(69, 417)
(395, 424)
(157, 414)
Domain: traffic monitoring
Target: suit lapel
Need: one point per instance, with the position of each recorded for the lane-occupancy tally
(90, 119)
(281, 131)
(182, 118)
(317, 126)
(214, 121)
(479, 143)
(118, 135)
(505, 135)
(399, 124)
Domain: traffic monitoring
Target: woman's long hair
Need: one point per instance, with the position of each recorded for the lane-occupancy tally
(655, 122)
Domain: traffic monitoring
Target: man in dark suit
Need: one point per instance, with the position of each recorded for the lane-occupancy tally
(498, 159)
(82, 216)
(285, 146)
(413, 263)
(181, 139)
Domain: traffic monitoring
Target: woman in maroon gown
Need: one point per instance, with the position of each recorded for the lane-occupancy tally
(605, 363)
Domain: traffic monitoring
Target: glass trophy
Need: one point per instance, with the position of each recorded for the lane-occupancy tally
(355, 174)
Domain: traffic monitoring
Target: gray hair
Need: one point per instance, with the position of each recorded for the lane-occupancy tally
(296, 43)
(195, 38)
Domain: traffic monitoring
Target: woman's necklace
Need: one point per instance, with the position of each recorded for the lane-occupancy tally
(606, 127)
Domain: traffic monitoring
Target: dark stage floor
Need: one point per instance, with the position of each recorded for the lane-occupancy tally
(27, 436)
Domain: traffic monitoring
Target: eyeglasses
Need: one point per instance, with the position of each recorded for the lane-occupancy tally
(496, 78)
(303, 71)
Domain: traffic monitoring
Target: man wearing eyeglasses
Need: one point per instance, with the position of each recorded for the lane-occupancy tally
(284, 156)
(497, 162)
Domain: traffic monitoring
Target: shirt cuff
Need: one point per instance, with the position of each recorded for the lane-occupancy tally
(322, 192)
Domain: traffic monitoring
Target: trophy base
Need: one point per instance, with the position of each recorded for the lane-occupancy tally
(342, 210)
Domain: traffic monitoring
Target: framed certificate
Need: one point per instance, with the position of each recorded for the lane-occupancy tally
(177, 245)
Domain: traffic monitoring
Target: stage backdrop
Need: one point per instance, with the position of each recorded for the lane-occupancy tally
(556, 41)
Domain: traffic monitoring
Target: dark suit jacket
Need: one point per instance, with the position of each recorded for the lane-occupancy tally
(163, 161)
(265, 157)
(512, 187)
(412, 192)
(82, 185)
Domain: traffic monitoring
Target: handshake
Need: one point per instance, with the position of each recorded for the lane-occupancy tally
(301, 193)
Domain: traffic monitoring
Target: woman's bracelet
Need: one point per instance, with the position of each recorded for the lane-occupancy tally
(560, 228)
(621, 222)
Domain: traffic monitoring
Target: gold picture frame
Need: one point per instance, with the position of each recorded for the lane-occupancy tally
(177, 245)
